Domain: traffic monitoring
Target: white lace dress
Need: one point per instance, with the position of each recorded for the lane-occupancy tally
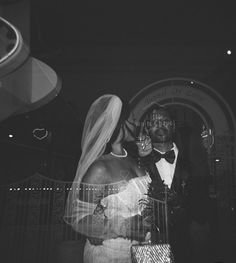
(123, 204)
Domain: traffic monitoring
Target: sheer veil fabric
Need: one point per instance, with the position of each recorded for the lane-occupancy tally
(101, 121)
(106, 219)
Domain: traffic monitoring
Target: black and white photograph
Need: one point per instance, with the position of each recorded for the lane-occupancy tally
(117, 131)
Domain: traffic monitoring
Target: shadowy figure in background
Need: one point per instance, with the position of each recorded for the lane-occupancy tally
(200, 209)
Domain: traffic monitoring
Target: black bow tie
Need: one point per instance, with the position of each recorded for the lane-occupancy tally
(169, 156)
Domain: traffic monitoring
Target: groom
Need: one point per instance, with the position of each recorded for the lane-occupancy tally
(169, 169)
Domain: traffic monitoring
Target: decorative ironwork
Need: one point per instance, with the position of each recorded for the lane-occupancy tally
(31, 218)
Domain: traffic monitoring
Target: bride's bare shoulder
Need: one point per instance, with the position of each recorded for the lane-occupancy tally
(97, 173)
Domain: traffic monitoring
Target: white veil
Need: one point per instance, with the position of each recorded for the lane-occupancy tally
(101, 121)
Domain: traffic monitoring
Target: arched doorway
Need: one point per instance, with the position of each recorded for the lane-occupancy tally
(196, 105)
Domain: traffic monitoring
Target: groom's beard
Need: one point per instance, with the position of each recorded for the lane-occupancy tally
(161, 136)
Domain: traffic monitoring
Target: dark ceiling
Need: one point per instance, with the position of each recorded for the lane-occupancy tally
(59, 27)
(133, 22)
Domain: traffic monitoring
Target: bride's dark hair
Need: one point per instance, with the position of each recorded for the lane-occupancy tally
(125, 112)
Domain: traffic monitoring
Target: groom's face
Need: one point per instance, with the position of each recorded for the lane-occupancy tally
(160, 126)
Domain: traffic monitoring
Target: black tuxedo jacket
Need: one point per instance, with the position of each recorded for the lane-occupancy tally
(190, 181)
(178, 202)
(181, 176)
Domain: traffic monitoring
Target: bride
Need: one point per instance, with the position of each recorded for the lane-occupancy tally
(103, 203)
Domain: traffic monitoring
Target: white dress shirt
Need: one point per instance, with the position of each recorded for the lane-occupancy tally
(166, 169)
